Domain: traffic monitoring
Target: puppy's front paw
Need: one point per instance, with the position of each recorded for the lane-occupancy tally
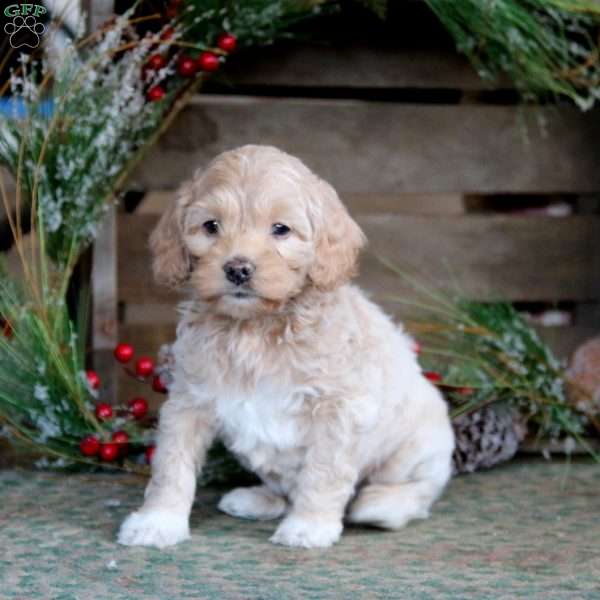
(304, 532)
(154, 528)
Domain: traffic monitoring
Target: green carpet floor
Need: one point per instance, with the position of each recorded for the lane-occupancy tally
(530, 529)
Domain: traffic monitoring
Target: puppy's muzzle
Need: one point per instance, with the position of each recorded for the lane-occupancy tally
(239, 270)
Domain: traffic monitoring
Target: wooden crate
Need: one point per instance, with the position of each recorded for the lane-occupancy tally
(408, 137)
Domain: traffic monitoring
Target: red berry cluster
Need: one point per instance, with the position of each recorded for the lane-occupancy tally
(110, 451)
(144, 367)
(137, 408)
(187, 66)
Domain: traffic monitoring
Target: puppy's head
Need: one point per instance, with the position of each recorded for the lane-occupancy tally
(253, 231)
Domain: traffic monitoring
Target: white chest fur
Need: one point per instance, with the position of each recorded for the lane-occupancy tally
(265, 421)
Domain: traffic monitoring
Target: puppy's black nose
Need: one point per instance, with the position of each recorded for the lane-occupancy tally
(239, 270)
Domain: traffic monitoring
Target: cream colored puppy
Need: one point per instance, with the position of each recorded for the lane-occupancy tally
(309, 383)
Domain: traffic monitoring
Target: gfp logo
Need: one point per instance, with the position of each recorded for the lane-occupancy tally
(24, 30)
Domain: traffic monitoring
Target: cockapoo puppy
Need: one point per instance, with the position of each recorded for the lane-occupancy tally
(305, 380)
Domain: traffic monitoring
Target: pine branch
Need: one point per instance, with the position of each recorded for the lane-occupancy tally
(486, 353)
(547, 48)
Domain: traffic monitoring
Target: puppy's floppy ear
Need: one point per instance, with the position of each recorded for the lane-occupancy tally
(338, 240)
(171, 262)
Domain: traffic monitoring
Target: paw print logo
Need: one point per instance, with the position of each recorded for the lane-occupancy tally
(24, 32)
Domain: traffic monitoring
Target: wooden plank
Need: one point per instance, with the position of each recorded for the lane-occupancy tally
(489, 257)
(134, 269)
(348, 65)
(565, 340)
(384, 148)
(429, 204)
(154, 324)
(151, 312)
(588, 314)
(155, 203)
(147, 338)
(104, 303)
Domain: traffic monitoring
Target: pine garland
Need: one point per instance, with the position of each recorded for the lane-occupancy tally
(253, 22)
(545, 47)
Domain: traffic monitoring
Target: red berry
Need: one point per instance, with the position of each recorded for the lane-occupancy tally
(156, 93)
(89, 445)
(120, 437)
(138, 407)
(124, 353)
(158, 385)
(104, 411)
(156, 62)
(433, 376)
(93, 379)
(227, 42)
(208, 61)
(109, 451)
(167, 33)
(144, 366)
(150, 454)
(186, 66)
(416, 347)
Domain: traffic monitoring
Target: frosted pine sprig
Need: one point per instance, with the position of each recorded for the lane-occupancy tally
(485, 353)
(100, 118)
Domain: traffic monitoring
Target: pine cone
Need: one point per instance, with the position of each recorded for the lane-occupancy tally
(485, 438)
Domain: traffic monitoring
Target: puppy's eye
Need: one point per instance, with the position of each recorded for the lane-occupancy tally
(211, 227)
(279, 229)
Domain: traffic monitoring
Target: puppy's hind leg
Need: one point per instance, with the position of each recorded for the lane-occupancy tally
(393, 496)
(257, 503)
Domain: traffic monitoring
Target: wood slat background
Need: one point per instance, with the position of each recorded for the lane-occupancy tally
(526, 258)
(388, 148)
(488, 257)
(343, 64)
(406, 131)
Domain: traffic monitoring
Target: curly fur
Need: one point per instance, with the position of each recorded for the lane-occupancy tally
(309, 383)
